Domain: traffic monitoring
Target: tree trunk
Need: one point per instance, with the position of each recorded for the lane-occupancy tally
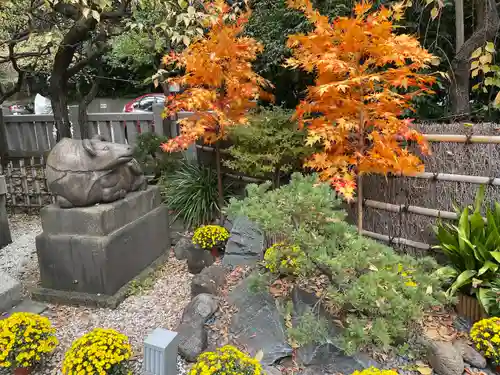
(82, 109)
(459, 90)
(61, 73)
(219, 181)
(360, 204)
(276, 180)
(459, 24)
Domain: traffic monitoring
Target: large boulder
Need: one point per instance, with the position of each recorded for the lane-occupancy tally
(183, 247)
(197, 259)
(323, 355)
(444, 358)
(470, 355)
(208, 281)
(245, 245)
(257, 324)
(192, 332)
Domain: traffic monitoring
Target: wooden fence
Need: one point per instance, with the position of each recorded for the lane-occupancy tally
(25, 141)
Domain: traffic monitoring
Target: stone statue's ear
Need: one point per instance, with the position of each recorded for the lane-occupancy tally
(89, 147)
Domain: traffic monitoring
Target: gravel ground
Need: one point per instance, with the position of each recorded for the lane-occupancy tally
(159, 305)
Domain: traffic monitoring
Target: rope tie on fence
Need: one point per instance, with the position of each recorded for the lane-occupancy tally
(468, 139)
(435, 176)
(403, 208)
(491, 180)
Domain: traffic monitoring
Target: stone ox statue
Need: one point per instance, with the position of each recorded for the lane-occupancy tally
(86, 172)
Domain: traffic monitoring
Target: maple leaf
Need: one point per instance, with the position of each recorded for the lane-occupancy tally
(360, 126)
(218, 78)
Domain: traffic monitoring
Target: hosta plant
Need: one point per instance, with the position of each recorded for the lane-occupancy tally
(25, 340)
(473, 249)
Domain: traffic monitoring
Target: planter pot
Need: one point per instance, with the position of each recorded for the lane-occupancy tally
(470, 308)
(23, 371)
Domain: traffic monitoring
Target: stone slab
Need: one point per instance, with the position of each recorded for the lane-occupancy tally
(245, 246)
(101, 219)
(5, 235)
(97, 300)
(29, 306)
(102, 264)
(3, 186)
(10, 292)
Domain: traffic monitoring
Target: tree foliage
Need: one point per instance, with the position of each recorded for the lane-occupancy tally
(366, 77)
(377, 293)
(220, 84)
(270, 144)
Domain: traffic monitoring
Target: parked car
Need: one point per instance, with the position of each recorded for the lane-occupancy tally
(21, 109)
(144, 103)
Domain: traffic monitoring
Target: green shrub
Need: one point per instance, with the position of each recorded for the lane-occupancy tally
(269, 145)
(191, 193)
(153, 161)
(377, 293)
(472, 249)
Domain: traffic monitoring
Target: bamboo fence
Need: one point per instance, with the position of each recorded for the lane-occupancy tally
(401, 210)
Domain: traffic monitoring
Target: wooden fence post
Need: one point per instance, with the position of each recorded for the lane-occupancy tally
(3, 139)
(162, 126)
(5, 237)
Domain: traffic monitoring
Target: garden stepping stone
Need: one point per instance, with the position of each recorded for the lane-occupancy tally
(444, 358)
(257, 324)
(245, 245)
(29, 306)
(193, 337)
(10, 292)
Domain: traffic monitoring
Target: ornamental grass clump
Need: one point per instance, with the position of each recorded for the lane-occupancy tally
(101, 351)
(210, 236)
(25, 340)
(486, 337)
(226, 360)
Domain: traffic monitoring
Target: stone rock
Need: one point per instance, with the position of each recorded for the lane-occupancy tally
(470, 355)
(10, 292)
(193, 340)
(444, 358)
(182, 248)
(85, 172)
(208, 281)
(325, 355)
(258, 325)
(193, 337)
(200, 309)
(269, 370)
(198, 259)
(245, 245)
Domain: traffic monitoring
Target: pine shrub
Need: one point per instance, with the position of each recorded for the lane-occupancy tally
(378, 294)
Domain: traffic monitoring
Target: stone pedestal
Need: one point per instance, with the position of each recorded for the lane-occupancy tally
(5, 237)
(88, 255)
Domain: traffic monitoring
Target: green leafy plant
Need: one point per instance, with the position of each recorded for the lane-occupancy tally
(473, 249)
(191, 193)
(376, 293)
(153, 161)
(269, 145)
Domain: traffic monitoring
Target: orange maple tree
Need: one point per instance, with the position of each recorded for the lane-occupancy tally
(366, 76)
(220, 84)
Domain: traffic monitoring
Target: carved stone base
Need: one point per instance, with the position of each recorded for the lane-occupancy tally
(97, 250)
